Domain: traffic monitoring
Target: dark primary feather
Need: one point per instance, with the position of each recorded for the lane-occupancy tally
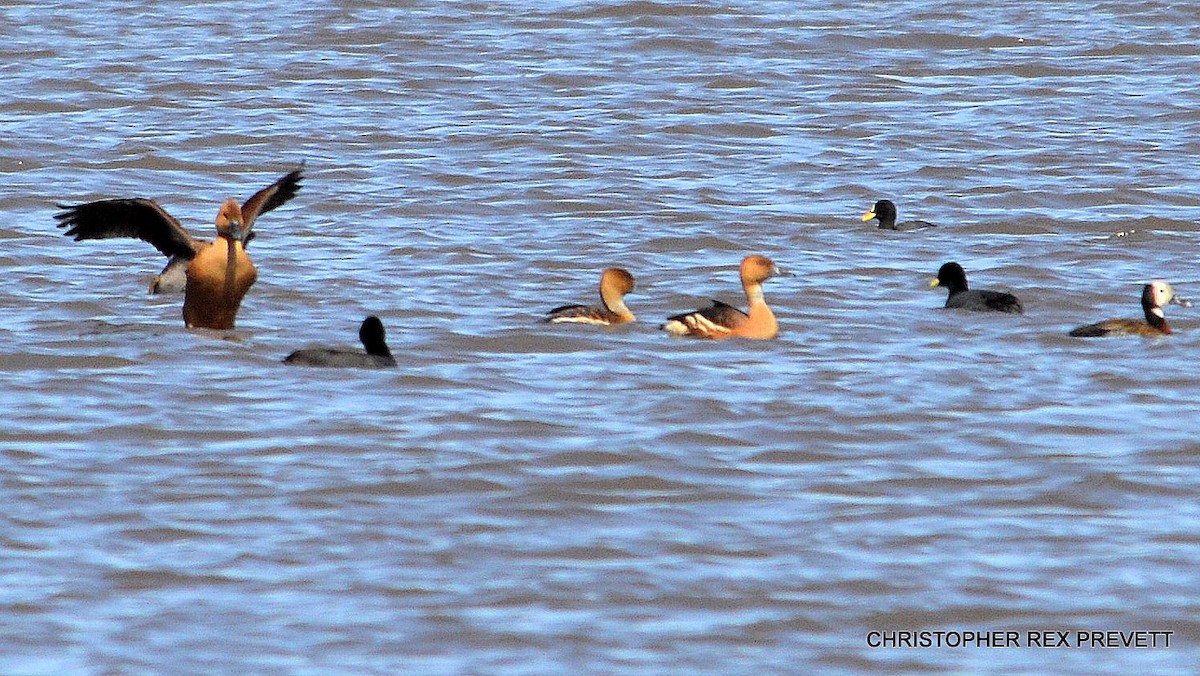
(272, 196)
(1096, 330)
(564, 313)
(589, 314)
(139, 217)
(720, 313)
(567, 309)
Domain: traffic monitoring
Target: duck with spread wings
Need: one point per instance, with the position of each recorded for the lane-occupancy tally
(215, 275)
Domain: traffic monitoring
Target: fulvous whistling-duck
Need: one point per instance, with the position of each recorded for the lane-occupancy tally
(885, 211)
(725, 321)
(953, 277)
(146, 220)
(614, 284)
(217, 273)
(371, 334)
(1155, 296)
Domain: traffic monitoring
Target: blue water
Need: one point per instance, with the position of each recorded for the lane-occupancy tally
(521, 498)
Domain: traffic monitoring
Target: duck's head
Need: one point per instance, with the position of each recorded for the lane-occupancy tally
(884, 210)
(1159, 294)
(617, 280)
(229, 221)
(952, 276)
(373, 337)
(756, 269)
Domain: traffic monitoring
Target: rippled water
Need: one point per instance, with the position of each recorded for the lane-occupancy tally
(517, 498)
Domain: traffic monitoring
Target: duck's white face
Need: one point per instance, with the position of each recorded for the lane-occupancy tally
(1163, 295)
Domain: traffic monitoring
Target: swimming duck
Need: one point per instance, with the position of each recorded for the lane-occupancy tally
(720, 320)
(885, 211)
(614, 284)
(1155, 296)
(953, 277)
(146, 220)
(371, 334)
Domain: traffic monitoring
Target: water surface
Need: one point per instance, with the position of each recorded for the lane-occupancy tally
(517, 498)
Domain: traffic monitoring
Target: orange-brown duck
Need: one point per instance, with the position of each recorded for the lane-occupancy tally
(144, 219)
(614, 284)
(216, 275)
(720, 320)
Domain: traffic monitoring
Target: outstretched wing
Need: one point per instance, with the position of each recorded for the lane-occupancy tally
(271, 196)
(140, 218)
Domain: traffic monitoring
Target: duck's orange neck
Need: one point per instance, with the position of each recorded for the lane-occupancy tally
(615, 304)
(761, 321)
(230, 266)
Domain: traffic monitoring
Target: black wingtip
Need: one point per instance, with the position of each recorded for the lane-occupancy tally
(1090, 331)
